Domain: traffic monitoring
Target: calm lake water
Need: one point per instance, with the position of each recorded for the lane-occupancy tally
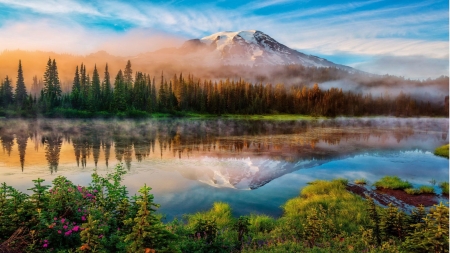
(255, 166)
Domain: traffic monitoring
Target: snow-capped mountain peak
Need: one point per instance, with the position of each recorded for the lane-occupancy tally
(253, 48)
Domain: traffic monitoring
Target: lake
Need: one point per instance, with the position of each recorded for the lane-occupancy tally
(253, 165)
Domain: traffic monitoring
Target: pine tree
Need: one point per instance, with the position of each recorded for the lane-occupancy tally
(52, 88)
(106, 91)
(119, 93)
(21, 90)
(94, 94)
(75, 95)
(148, 232)
(6, 93)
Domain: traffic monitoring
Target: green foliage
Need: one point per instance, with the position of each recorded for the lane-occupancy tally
(444, 187)
(432, 234)
(361, 181)
(442, 151)
(101, 217)
(426, 189)
(412, 191)
(392, 182)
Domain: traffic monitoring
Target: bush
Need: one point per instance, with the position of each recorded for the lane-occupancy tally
(426, 189)
(392, 182)
(444, 187)
(412, 191)
(360, 181)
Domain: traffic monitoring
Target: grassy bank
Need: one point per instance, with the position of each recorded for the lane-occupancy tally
(442, 151)
(101, 217)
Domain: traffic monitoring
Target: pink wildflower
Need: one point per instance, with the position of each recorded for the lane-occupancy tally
(45, 245)
(62, 220)
(75, 228)
(55, 218)
(68, 233)
(83, 218)
(59, 231)
(65, 227)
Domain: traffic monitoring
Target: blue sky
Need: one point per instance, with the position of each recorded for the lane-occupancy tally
(375, 36)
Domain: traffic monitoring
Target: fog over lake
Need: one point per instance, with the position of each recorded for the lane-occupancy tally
(255, 165)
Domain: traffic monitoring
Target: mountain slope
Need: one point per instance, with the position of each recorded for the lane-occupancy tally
(252, 48)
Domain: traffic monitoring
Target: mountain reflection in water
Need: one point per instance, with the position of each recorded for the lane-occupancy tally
(238, 153)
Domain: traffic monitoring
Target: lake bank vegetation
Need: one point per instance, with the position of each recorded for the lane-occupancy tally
(136, 95)
(101, 217)
(442, 151)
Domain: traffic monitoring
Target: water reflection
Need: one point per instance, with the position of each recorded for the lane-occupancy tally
(242, 154)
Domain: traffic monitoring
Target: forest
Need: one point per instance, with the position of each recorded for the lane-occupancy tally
(137, 94)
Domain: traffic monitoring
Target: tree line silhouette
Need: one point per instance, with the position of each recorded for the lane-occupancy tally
(139, 94)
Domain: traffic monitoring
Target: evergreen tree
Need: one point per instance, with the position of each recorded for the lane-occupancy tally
(6, 93)
(75, 95)
(21, 90)
(119, 93)
(95, 91)
(52, 88)
(106, 91)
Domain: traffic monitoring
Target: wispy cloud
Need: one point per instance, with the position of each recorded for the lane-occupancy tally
(373, 28)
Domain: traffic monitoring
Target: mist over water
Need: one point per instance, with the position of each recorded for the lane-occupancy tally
(192, 163)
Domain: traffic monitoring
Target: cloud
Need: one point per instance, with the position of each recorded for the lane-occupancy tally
(45, 35)
(415, 66)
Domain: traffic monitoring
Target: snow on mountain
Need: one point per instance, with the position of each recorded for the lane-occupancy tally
(253, 48)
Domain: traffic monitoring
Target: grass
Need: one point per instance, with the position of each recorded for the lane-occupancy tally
(274, 117)
(444, 187)
(392, 182)
(442, 151)
(422, 190)
(412, 191)
(348, 209)
(360, 181)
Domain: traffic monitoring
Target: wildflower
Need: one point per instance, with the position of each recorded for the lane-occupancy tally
(45, 245)
(62, 220)
(45, 241)
(83, 218)
(68, 233)
(55, 218)
(75, 228)
(100, 236)
(59, 231)
(65, 227)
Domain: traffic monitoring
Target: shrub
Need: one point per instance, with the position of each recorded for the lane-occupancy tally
(412, 191)
(392, 182)
(444, 187)
(360, 181)
(426, 189)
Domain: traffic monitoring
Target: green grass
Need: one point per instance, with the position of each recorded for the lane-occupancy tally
(442, 151)
(444, 187)
(422, 190)
(412, 191)
(392, 182)
(360, 181)
(348, 209)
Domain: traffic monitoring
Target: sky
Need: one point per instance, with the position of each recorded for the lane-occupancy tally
(406, 38)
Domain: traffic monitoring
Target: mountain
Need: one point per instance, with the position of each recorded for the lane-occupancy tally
(252, 48)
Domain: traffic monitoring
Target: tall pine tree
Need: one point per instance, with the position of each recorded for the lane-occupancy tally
(21, 90)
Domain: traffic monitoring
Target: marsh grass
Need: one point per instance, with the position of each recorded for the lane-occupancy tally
(361, 181)
(442, 151)
(444, 187)
(392, 182)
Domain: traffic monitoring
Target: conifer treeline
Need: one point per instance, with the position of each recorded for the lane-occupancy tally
(140, 92)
